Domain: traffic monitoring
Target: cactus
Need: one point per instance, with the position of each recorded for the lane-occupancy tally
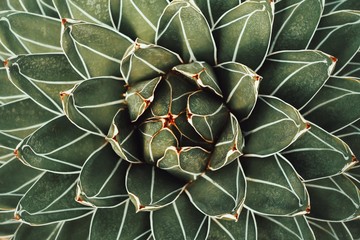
(183, 119)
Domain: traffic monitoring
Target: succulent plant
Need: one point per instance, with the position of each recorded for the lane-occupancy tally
(183, 119)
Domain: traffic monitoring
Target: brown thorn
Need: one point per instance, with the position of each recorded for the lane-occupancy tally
(334, 59)
(16, 153)
(307, 210)
(63, 21)
(354, 159)
(17, 217)
(308, 125)
(6, 63)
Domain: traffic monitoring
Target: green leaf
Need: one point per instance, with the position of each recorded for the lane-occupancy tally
(335, 30)
(58, 146)
(93, 103)
(15, 180)
(56, 205)
(15, 122)
(331, 230)
(286, 228)
(339, 97)
(239, 85)
(181, 219)
(319, 154)
(243, 33)
(201, 74)
(138, 18)
(354, 175)
(8, 229)
(335, 5)
(97, 11)
(28, 232)
(208, 122)
(275, 189)
(150, 188)
(219, 193)
(106, 187)
(86, 47)
(177, 32)
(185, 162)
(156, 139)
(145, 61)
(244, 228)
(125, 223)
(295, 23)
(272, 126)
(334, 199)
(352, 68)
(139, 97)
(229, 146)
(214, 9)
(22, 32)
(295, 76)
(124, 138)
(42, 77)
(8, 92)
(75, 229)
(353, 227)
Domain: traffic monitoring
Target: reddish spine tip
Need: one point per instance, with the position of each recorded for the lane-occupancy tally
(334, 59)
(63, 21)
(17, 217)
(16, 153)
(354, 159)
(257, 78)
(6, 63)
(307, 210)
(308, 125)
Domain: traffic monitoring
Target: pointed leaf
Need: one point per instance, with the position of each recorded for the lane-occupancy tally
(201, 74)
(8, 92)
(93, 103)
(276, 189)
(42, 77)
(156, 139)
(243, 33)
(137, 18)
(106, 187)
(336, 30)
(124, 138)
(319, 154)
(244, 228)
(58, 146)
(272, 126)
(207, 122)
(220, 193)
(150, 188)
(177, 32)
(295, 23)
(144, 61)
(339, 97)
(240, 87)
(229, 146)
(293, 228)
(295, 76)
(182, 219)
(334, 199)
(186, 162)
(56, 205)
(139, 97)
(125, 223)
(86, 46)
(7, 229)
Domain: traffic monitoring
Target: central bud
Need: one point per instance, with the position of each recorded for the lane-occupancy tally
(181, 122)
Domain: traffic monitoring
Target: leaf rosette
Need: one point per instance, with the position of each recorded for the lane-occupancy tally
(185, 118)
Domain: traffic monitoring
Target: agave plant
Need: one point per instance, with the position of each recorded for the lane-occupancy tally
(183, 119)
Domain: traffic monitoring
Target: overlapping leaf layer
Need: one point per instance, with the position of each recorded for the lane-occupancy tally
(183, 119)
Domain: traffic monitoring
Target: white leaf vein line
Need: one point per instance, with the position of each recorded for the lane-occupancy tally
(123, 219)
(282, 225)
(224, 229)
(219, 187)
(180, 221)
(143, 15)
